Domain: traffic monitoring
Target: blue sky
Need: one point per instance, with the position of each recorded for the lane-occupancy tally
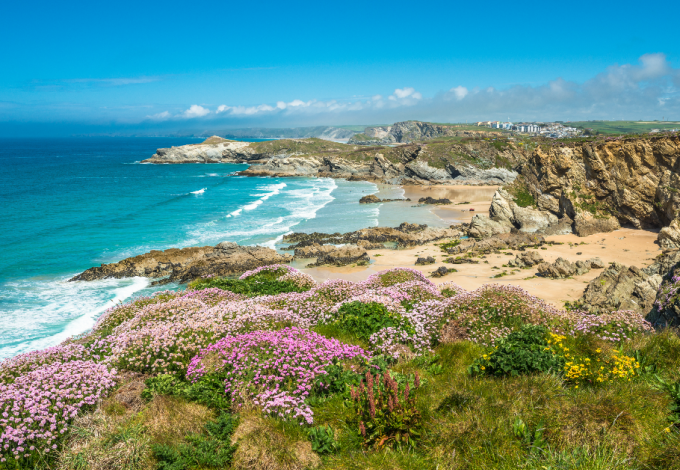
(163, 67)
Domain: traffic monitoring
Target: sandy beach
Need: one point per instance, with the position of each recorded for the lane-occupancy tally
(625, 246)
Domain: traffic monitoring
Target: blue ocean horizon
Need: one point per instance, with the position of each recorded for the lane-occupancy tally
(73, 203)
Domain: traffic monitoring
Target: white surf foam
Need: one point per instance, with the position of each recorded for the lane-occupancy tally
(49, 312)
(200, 191)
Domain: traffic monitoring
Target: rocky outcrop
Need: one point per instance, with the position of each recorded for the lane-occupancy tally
(341, 256)
(425, 261)
(669, 237)
(514, 241)
(563, 268)
(622, 287)
(526, 260)
(185, 264)
(462, 173)
(405, 235)
(373, 199)
(603, 184)
(213, 150)
(420, 169)
(430, 200)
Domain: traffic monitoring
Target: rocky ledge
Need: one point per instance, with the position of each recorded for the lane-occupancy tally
(185, 264)
(406, 235)
(373, 199)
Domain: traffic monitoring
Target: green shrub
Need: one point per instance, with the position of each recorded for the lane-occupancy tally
(323, 440)
(212, 449)
(522, 352)
(364, 319)
(252, 286)
(385, 413)
(209, 391)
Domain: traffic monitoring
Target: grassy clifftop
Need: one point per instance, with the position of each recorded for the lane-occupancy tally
(391, 372)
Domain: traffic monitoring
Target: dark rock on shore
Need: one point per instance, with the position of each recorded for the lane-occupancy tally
(430, 200)
(563, 268)
(424, 261)
(526, 260)
(185, 264)
(442, 271)
(373, 199)
(341, 256)
(405, 235)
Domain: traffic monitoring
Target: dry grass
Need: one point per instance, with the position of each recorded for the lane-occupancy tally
(119, 434)
(262, 445)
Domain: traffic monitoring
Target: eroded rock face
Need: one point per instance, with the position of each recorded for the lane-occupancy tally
(621, 287)
(602, 184)
(185, 264)
(482, 226)
(216, 150)
(504, 210)
(462, 173)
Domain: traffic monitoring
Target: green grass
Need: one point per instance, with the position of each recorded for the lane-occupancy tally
(624, 127)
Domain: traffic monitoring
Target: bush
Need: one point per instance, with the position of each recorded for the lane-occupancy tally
(323, 440)
(208, 392)
(251, 287)
(522, 352)
(364, 319)
(213, 449)
(385, 413)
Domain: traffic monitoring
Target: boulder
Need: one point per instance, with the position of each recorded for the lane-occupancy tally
(424, 261)
(370, 199)
(669, 237)
(430, 200)
(442, 271)
(560, 269)
(586, 224)
(342, 256)
(482, 226)
(526, 259)
(621, 287)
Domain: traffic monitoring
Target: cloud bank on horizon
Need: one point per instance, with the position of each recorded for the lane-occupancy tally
(648, 89)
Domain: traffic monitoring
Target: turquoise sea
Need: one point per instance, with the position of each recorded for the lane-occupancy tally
(70, 204)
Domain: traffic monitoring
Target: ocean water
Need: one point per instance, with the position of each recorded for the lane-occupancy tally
(70, 204)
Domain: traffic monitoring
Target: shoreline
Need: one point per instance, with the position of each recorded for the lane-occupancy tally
(626, 246)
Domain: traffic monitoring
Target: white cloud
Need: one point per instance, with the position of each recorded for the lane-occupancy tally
(160, 116)
(459, 92)
(222, 108)
(195, 111)
(403, 92)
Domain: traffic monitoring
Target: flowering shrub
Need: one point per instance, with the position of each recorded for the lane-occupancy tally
(450, 289)
(35, 410)
(120, 313)
(602, 366)
(493, 311)
(616, 326)
(386, 414)
(163, 338)
(411, 292)
(273, 369)
(525, 351)
(393, 276)
(17, 366)
(212, 296)
(668, 293)
(272, 271)
(302, 280)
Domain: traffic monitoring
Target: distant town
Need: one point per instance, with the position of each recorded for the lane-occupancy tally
(555, 130)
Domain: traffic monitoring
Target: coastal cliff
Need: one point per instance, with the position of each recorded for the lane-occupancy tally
(456, 161)
(412, 131)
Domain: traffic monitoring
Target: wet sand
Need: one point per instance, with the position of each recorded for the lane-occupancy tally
(625, 246)
(476, 197)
